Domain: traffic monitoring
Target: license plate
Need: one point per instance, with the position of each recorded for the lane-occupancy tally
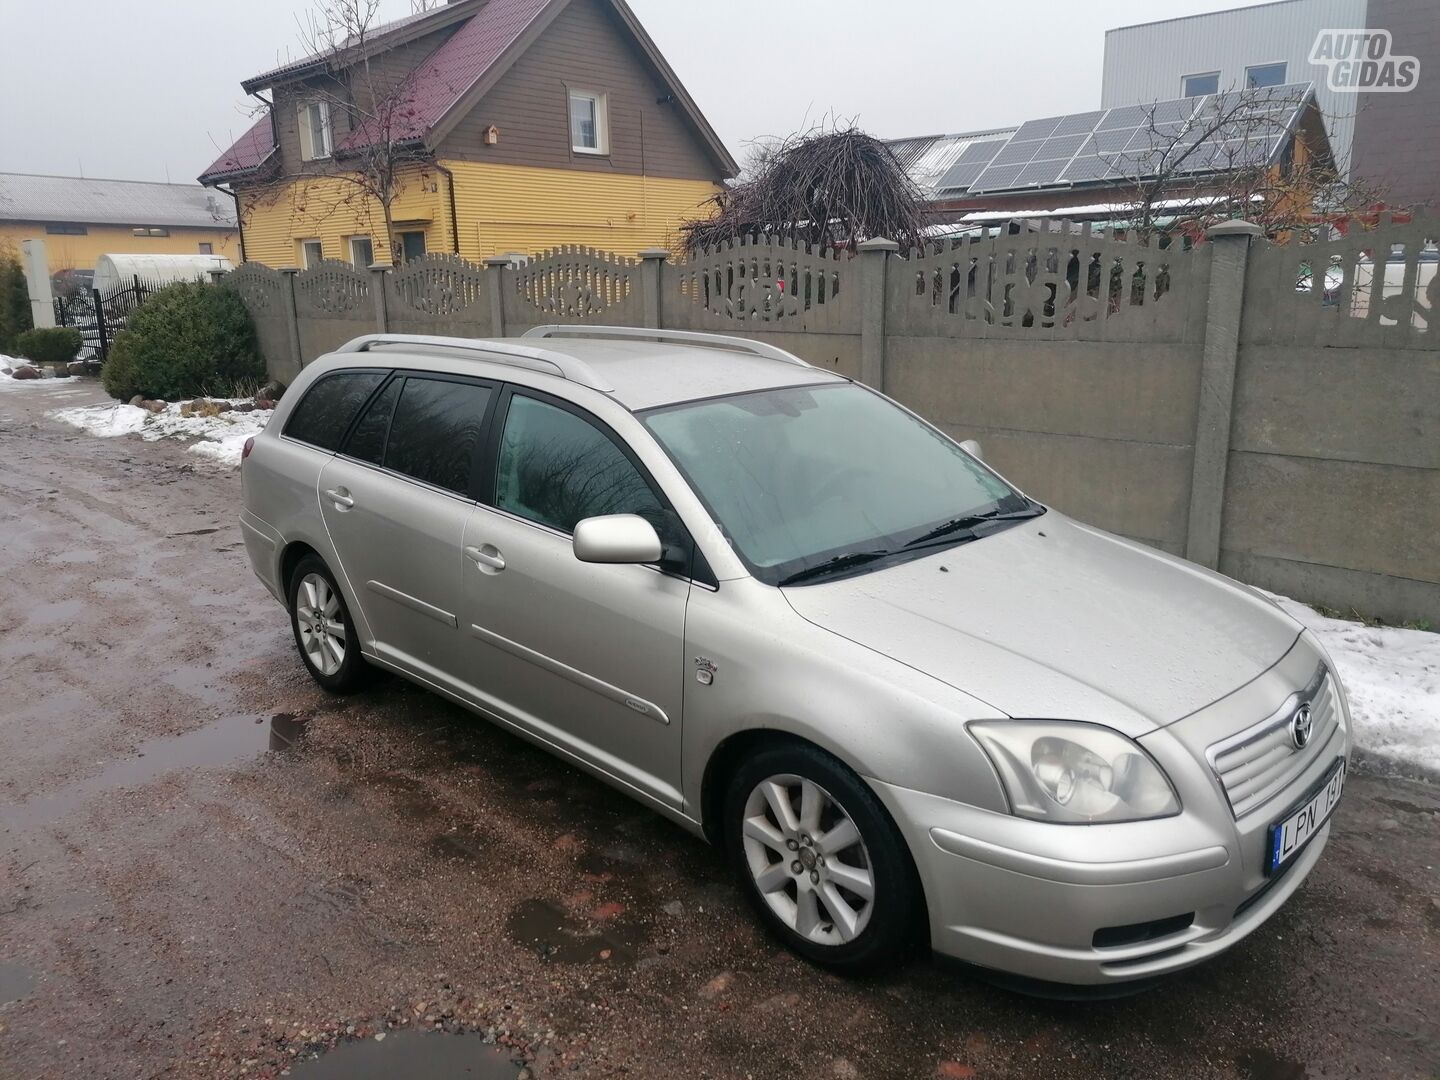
(1293, 831)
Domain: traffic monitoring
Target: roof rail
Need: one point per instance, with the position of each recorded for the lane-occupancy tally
(497, 351)
(678, 337)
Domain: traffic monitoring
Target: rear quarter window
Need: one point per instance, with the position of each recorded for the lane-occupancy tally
(324, 413)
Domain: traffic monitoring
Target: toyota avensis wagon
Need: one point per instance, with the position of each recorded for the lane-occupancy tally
(913, 704)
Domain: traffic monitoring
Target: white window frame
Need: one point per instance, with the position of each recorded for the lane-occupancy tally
(1185, 79)
(303, 244)
(350, 243)
(1284, 74)
(602, 121)
(308, 150)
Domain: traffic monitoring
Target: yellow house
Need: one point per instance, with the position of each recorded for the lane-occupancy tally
(509, 125)
(81, 219)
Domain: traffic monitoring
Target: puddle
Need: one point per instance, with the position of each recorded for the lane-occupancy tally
(411, 1053)
(1261, 1064)
(230, 740)
(15, 982)
(553, 935)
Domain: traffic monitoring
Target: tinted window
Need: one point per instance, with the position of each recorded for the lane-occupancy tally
(328, 407)
(557, 469)
(436, 431)
(367, 441)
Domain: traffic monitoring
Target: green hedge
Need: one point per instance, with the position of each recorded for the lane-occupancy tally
(186, 340)
(14, 299)
(49, 345)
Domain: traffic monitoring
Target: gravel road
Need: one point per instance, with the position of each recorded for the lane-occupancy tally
(210, 868)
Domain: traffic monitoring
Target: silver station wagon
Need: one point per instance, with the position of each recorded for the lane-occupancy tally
(915, 706)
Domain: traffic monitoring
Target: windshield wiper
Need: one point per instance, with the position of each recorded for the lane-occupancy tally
(833, 566)
(970, 522)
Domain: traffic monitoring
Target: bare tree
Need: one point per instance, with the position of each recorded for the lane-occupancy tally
(823, 187)
(1217, 165)
(366, 118)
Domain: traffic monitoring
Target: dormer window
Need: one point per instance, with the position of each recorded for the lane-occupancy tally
(588, 127)
(315, 132)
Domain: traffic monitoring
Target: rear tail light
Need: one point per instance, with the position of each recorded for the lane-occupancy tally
(249, 445)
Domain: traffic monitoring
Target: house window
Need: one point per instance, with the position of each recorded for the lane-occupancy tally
(412, 245)
(315, 131)
(66, 230)
(1199, 85)
(362, 252)
(206, 248)
(150, 232)
(311, 253)
(588, 134)
(1265, 75)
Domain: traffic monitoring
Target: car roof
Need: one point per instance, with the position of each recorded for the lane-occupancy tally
(639, 374)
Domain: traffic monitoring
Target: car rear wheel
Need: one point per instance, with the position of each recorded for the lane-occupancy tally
(821, 860)
(324, 631)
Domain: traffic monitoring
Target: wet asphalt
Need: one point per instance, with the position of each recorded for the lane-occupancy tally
(209, 868)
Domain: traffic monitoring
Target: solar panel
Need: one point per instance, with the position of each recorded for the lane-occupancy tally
(981, 151)
(1078, 123)
(960, 175)
(1109, 142)
(1128, 117)
(1085, 169)
(997, 177)
(1039, 172)
(1063, 146)
(1038, 129)
(1016, 153)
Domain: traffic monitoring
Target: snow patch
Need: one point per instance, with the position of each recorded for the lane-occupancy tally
(1393, 678)
(221, 437)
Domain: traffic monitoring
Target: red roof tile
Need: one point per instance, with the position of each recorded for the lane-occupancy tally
(250, 152)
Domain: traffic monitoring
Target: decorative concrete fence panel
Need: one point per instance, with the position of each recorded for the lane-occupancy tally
(267, 295)
(437, 294)
(571, 284)
(332, 305)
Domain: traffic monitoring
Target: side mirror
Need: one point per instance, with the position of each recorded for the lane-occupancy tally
(617, 538)
(971, 447)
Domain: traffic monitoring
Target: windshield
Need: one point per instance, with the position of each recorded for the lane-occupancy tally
(811, 482)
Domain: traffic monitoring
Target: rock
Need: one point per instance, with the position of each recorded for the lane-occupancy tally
(1390, 824)
(953, 1070)
(222, 406)
(60, 371)
(675, 908)
(156, 406)
(716, 986)
(78, 367)
(138, 401)
(187, 408)
(844, 1069)
(273, 390)
(244, 406)
(25, 371)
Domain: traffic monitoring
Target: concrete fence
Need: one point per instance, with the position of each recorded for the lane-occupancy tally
(1271, 410)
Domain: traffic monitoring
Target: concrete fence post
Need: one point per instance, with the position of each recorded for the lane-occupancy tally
(292, 316)
(1228, 260)
(874, 258)
(651, 267)
(377, 294)
(497, 270)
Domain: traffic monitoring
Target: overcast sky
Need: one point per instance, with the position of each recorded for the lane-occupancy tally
(150, 89)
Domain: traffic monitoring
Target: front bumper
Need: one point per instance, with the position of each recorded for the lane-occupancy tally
(1107, 904)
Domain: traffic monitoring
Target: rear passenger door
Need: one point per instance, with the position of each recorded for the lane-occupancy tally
(395, 501)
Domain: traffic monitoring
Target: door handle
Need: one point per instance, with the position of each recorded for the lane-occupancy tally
(341, 498)
(486, 557)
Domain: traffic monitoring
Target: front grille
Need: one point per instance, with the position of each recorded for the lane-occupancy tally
(1262, 761)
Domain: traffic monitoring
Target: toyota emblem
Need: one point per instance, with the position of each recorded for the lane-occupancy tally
(1300, 727)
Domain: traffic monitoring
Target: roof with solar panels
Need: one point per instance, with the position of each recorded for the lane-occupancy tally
(1107, 147)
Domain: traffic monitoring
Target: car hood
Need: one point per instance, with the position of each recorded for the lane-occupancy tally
(1055, 619)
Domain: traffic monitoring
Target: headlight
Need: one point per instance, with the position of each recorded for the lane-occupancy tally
(1067, 771)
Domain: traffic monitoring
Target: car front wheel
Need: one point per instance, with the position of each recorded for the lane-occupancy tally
(821, 860)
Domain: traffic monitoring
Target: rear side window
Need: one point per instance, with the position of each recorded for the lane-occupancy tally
(367, 441)
(435, 432)
(328, 407)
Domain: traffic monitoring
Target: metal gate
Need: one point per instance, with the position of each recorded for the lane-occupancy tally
(100, 316)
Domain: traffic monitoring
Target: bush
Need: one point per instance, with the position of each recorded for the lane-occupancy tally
(14, 298)
(186, 340)
(49, 345)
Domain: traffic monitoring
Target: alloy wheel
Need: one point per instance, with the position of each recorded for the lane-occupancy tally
(808, 859)
(321, 625)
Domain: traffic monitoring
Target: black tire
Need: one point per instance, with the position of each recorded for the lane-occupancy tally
(353, 672)
(896, 923)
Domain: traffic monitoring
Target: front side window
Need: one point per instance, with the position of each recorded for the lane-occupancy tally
(587, 122)
(312, 253)
(1265, 75)
(435, 432)
(315, 131)
(362, 252)
(557, 468)
(328, 407)
(1199, 85)
(829, 477)
(367, 441)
